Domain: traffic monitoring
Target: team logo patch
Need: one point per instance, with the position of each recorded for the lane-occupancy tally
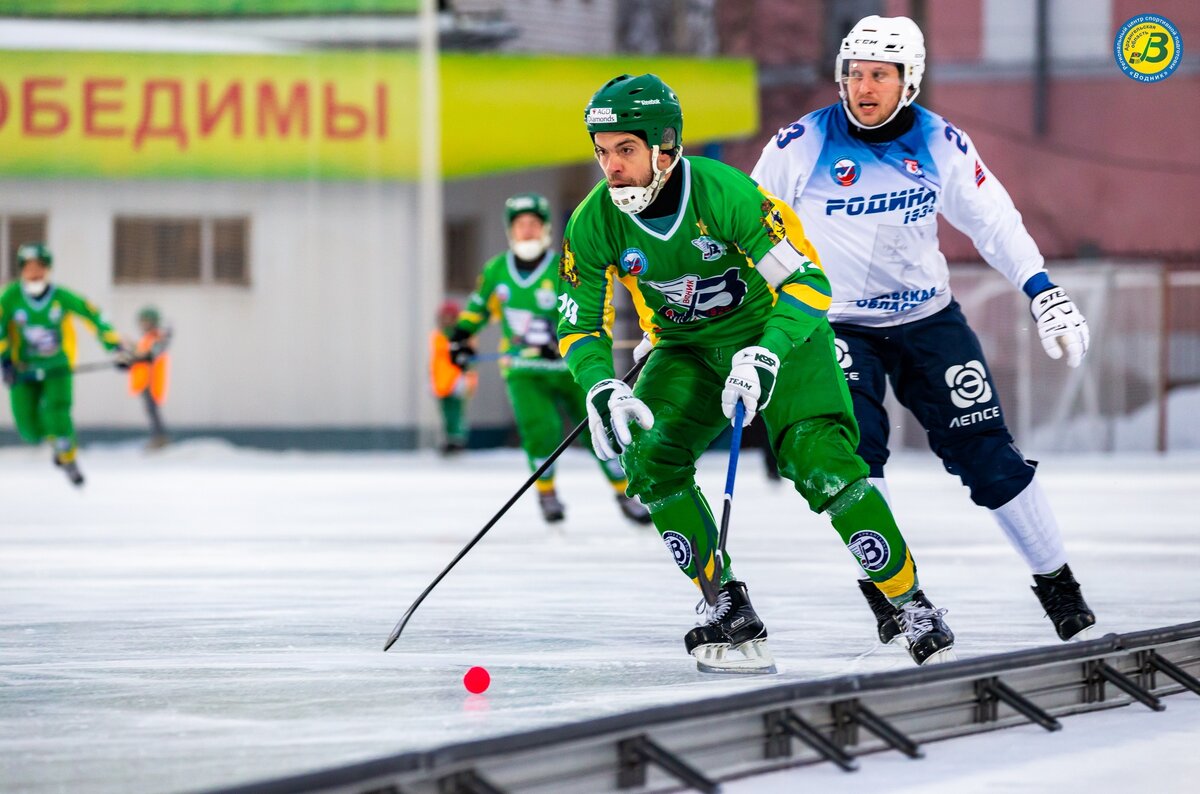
(503, 293)
(545, 297)
(679, 547)
(913, 167)
(871, 549)
(633, 261)
(1148, 48)
(968, 384)
(566, 266)
(689, 298)
(710, 249)
(56, 313)
(20, 317)
(845, 171)
(844, 359)
(980, 177)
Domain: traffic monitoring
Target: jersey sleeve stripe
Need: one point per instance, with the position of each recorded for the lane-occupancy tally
(807, 297)
(568, 342)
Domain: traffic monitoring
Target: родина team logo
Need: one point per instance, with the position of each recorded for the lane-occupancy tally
(1148, 48)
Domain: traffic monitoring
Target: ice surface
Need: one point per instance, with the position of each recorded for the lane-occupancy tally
(208, 616)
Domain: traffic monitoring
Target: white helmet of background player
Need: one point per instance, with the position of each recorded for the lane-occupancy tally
(895, 40)
(533, 204)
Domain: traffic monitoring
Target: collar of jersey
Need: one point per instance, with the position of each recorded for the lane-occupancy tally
(534, 274)
(683, 201)
(38, 304)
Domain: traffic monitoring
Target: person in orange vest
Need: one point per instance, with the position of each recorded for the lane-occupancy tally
(451, 384)
(148, 374)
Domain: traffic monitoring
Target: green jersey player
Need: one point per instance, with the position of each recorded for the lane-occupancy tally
(518, 289)
(37, 351)
(738, 301)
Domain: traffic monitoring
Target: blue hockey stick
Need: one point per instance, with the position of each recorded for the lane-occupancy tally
(711, 587)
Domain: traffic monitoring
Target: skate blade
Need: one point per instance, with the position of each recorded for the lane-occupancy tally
(756, 659)
(1083, 635)
(900, 641)
(941, 657)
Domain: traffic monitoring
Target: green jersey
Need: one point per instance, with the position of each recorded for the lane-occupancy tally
(524, 303)
(39, 333)
(693, 275)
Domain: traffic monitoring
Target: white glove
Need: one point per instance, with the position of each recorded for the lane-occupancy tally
(751, 380)
(643, 348)
(1061, 326)
(611, 408)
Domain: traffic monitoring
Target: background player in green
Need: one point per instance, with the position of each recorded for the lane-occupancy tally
(738, 301)
(37, 351)
(518, 287)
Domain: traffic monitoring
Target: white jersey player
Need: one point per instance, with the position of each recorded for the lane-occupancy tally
(868, 177)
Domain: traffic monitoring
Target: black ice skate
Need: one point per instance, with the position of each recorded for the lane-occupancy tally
(552, 509)
(930, 640)
(632, 509)
(887, 617)
(70, 468)
(1064, 604)
(731, 625)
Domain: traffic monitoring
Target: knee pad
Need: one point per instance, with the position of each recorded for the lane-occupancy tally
(818, 457)
(990, 465)
(655, 470)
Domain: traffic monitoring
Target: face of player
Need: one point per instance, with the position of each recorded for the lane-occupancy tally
(873, 90)
(526, 226)
(625, 159)
(34, 271)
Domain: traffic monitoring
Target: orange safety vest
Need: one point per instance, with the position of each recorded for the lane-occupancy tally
(150, 375)
(445, 375)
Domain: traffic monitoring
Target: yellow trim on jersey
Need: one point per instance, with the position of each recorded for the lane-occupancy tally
(793, 228)
(470, 316)
(645, 313)
(70, 344)
(609, 317)
(808, 296)
(567, 342)
(902, 582)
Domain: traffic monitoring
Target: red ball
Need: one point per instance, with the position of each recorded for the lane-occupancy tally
(477, 680)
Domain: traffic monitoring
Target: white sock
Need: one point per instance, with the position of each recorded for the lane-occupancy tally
(1029, 523)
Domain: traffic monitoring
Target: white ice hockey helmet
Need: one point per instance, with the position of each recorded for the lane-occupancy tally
(889, 39)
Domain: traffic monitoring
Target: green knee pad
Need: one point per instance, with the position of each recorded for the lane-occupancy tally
(686, 525)
(657, 471)
(818, 456)
(862, 517)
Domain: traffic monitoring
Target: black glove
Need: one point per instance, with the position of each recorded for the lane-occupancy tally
(9, 371)
(124, 358)
(461, 351)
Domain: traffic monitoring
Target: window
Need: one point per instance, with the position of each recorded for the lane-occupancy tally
(180, 250)
(15, 230)
(462, 255)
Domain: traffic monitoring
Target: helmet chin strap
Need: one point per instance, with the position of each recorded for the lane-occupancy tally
(634, 199)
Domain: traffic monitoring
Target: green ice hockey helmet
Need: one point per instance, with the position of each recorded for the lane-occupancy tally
(642, 104)
(526, 202)
(39, 251)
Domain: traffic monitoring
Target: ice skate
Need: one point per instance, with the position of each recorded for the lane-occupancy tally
(1064, 605)
(732, 639)
(632, 509)
(66, 462)
(930, 640)
(157, 442)
(887, 617)
(552, 509)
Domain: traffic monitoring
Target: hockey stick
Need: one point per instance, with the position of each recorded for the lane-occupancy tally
(574, 434)
(735, 446)
(33, 375)
(620, 344)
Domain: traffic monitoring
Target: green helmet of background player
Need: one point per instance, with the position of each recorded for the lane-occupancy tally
(646, 106)
(149, 316)
(530, 241)
(38, 251)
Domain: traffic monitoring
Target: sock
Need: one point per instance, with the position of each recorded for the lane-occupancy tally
(861, 516)
(1029, 524)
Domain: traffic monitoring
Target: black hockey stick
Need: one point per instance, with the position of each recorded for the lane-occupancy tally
(735, 446)
(574, 434)
(37, 374)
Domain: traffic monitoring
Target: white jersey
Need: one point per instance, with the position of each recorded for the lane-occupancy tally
(870, 211)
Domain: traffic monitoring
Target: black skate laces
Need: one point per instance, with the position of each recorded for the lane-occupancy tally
(1060, 598)
(917, 620)
(717, 611)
